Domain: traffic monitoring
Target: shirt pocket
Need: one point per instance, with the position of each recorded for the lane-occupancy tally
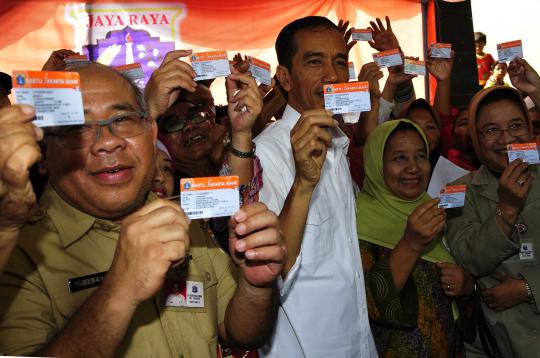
(318, 242)
(202, 319)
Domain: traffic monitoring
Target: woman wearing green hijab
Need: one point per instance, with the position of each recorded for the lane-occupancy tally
(410, 276)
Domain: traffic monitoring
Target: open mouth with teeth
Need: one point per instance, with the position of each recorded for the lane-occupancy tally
(195, 139)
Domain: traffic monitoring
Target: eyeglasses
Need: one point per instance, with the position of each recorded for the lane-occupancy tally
(515, 130)
(124, 125)
(198, 113)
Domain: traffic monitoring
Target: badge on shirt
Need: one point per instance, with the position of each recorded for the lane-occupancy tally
(83, 282)
(183, 293)
(526, 251)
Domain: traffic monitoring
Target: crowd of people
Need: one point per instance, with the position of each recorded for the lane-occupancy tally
(337, 249)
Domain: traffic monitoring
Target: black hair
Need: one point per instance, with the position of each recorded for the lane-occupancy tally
(480, 37)
(500, 94)
(5, 83)
(497, 63)
(286, 43)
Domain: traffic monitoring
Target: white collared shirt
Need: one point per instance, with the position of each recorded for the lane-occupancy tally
(323, 310)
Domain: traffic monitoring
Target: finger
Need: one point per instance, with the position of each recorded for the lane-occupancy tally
(374, 28)
(388, 26)
(174, 251)
(247, 211)
(15, 171)
(176, 69)
(379, 22)
(442, 265)
(162, 216)
(174, 55)
(265, 237)
(316, 134)
(156, 204)
(321, 118)
(350, 45)
(18, 113)
(425, 207)
(509, 170)
(274, 253)
(347, 35)
(170, 232)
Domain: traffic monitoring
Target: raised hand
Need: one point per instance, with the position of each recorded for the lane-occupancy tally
(19, 150)
(151, 240)
(370, 72)
(424, 224)
(245, 101)
(310, 140)
(55, 62)
(256, 244)
(440, 68)
(523, 76)
(342, 26)
(167, 81)
(383, 38)
(514, 186)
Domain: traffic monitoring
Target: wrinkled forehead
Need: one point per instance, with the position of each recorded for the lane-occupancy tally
(103, 88)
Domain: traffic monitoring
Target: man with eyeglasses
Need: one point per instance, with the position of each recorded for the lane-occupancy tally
(106, 269)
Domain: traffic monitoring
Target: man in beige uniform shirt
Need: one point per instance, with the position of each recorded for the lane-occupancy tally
(168, 290)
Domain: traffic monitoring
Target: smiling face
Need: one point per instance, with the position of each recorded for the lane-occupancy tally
(406, 165)
(321, 58)
(110, 178)
(504, 114)
(193, 141)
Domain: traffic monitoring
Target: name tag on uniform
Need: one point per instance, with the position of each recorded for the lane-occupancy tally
(183, 293)
(526, 251)
(83, 282)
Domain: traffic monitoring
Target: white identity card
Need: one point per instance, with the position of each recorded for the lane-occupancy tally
(413, 67)
(260, 70)
(210, 197)
(361, 35)
(528, 152)
(208, 65)
(452, 196)
(508, 51)
(388, 58)
(352, 72)
(441, 50)
(55, 95)
(347, 97)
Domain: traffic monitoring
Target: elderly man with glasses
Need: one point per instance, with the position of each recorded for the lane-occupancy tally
(104, 268)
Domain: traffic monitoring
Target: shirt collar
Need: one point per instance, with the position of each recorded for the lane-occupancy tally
(71, 223)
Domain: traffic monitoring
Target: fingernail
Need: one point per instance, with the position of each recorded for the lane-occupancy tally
(240, 229)
(240, 216)
(27, 109)
(251, 254)
(240, 245)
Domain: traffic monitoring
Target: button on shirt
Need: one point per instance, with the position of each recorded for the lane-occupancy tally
(323, 300)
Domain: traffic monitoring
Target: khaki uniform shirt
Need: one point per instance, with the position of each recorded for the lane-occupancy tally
(481, 247)
(64, 243)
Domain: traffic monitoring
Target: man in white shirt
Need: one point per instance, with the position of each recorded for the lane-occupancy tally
(323, 311)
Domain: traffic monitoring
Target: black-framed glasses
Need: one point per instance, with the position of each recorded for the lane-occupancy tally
(515, 130)
(197, 113)
(123, 125)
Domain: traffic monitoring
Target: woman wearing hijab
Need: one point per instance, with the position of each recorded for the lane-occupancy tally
(496, 235)
(410, 276)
